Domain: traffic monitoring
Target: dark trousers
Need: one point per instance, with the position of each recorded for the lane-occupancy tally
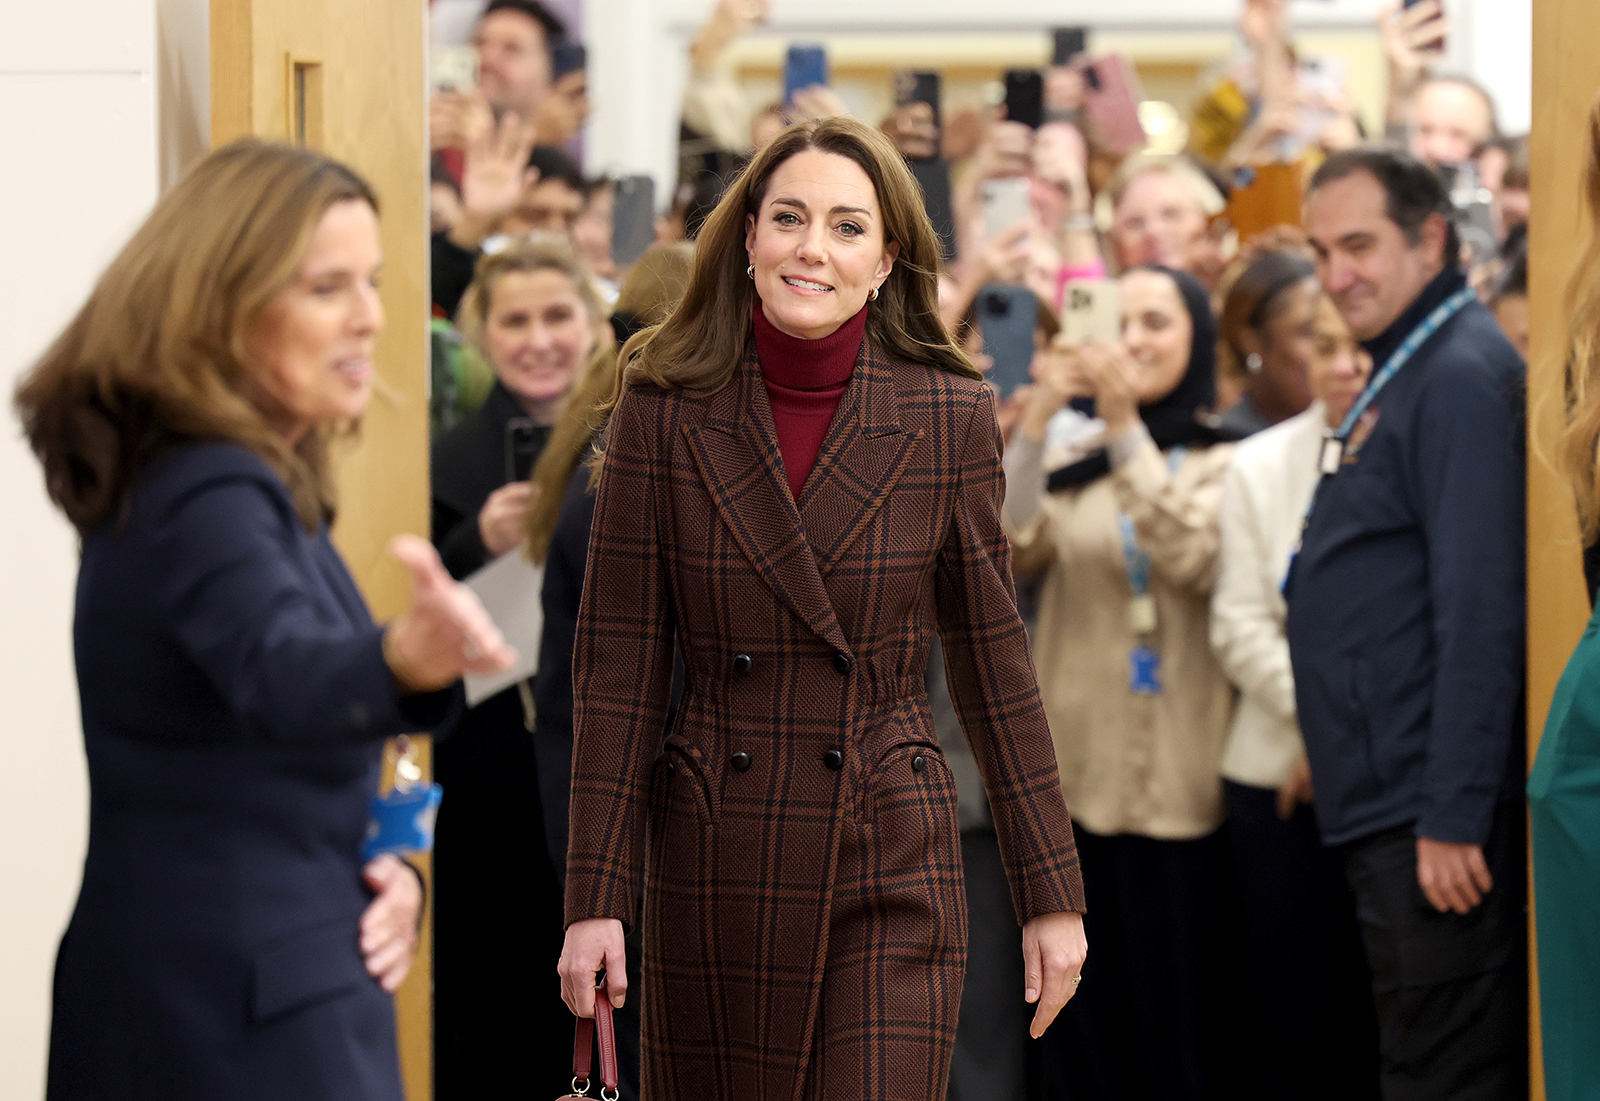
(991, 1055)
(500, 1026)
(1451, 989)
(1145, 1022)
(1313, 1034)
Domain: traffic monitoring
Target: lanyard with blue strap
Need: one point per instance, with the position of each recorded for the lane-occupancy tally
(1334, 443)
(1144, 662)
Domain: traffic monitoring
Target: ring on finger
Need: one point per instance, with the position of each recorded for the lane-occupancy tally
(1076, 979)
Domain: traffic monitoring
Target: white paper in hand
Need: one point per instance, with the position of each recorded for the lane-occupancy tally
(509, 588)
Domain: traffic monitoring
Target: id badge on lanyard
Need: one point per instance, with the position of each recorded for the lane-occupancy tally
(402, 818)
(1144, 660)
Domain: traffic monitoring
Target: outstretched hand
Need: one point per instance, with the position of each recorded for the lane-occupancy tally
(445, 632)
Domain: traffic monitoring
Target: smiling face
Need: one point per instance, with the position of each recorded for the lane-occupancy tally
(1364, 261)
(1156, 332)
(816, 244)
(311, 348)
(1339, 366)
(1157, 221)
(538, 335)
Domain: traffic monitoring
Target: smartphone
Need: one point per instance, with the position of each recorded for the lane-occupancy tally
(453, 69)
(1474, 218)
(1111, 96)
(1091, 309)
(933, 176)
(917, 86)
(1006, 202)
(1437, 43)
(1068, 43)
(633, 218)
(1320, 82)
(1007, 316)
(803, 66)
(522, 448)
(1025, 96)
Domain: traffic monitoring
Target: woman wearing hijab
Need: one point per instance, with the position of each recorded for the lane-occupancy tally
(1125, 546)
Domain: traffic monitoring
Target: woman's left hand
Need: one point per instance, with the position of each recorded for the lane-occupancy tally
(1113, 376)
(389, 924)
(1053, 951)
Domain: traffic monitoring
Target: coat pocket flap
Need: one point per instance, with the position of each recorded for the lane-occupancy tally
(304, 967)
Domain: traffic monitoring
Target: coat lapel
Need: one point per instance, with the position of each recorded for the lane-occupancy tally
(736, 450)
(862, 458)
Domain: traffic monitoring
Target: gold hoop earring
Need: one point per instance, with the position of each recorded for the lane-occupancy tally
(750, 272)
(872, 295)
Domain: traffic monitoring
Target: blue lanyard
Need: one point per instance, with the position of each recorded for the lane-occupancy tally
(1402, 355)
(1136, 559)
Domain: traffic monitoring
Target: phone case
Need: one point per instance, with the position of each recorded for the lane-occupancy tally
(1008, 316)
(1005, 203)
(803, 66)
(1111, 94)
(633, 218)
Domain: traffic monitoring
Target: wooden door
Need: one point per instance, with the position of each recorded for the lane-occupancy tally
(347, 77)
(1566, 76)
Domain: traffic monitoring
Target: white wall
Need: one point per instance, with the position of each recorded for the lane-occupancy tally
(79, 85)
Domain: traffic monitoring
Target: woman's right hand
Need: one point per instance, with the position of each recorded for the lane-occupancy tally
(444, 633)
(503, 520)
(593, 945)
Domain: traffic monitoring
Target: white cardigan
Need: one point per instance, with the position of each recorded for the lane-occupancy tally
(1264, 500)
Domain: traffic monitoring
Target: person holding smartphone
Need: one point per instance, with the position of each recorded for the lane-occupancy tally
(1122, 535)
(534, 315)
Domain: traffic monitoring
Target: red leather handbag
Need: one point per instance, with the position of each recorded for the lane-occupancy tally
(589, 1029)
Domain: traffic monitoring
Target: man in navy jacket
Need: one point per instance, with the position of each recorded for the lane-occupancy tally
(1406, 625)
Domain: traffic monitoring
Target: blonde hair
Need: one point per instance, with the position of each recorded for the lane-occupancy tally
(156, 356)
(1579, 445)
(536, 252)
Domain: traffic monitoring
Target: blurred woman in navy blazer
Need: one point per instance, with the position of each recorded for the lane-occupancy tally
(227, 940)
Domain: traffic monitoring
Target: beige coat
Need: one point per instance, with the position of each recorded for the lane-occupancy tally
(1146, 765)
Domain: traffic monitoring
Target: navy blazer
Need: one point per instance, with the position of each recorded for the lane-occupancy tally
(235, 699)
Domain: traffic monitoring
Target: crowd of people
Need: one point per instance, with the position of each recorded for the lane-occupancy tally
(870, 550)
(1158, 487)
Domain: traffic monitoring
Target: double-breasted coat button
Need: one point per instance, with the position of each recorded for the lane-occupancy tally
(740, 761)
(742, 663)
(842, 663)
(918, 763)
(833, 759)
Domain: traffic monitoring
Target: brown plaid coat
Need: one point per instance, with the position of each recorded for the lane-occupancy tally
(804, 920)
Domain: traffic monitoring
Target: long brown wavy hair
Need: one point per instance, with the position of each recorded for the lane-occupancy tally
(1579, 446)
(700, 344)
(156, 356)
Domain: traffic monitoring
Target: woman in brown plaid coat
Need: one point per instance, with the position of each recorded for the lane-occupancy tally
(804, 919)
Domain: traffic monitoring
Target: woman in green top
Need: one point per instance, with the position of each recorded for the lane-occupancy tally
(1564, 789)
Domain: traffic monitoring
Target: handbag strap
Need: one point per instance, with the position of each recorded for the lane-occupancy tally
(583, 1047)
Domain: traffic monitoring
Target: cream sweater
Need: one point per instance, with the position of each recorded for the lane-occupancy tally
(1264, 501)
(1145, 765)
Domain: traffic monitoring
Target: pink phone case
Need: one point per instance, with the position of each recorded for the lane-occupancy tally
(1111, 105)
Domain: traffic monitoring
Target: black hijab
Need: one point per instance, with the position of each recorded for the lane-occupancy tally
(1182, 418)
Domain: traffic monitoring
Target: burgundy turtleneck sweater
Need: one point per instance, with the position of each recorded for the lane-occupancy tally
(805, 380)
